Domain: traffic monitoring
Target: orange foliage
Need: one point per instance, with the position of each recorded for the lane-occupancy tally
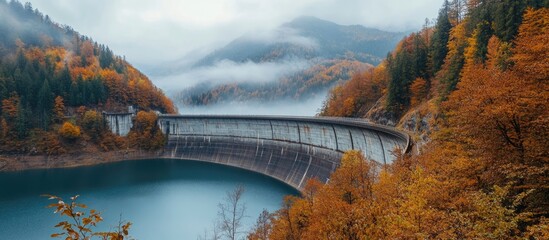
(4, 128)
(499, 54)
(81, 224)
(49, 143)
(419, 91)
(84, 72)
(35, 54)
(10, 106)
(484, 175)
(406, 200)
(502, 119)
(358, 95)
(87, 54)
(145, 133)
(69, 131)
(531, 54)
(57, 57)
(58, 109)
(134, 88)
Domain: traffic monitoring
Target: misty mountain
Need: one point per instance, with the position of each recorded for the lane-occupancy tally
(308, 38)
(23, 23)
(299, 86)
(50, 73)
(296, 61)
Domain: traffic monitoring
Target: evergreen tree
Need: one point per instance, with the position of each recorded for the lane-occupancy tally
(439, 41)
(74, 92)
(507, 16)
(65, 82)
(44, 106)
(409, 63)
(22, 120)
(420, 55)
(105, 57)
(400, 69)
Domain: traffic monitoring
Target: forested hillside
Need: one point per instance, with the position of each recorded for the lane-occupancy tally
(308, 38)
(427, 65)
(329, 53)
(475, 85)
(299, 86)
(51, 78)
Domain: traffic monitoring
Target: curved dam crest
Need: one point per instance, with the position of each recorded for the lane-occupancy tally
(290, 149)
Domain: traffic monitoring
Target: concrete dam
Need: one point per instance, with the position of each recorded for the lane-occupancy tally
(290, 149)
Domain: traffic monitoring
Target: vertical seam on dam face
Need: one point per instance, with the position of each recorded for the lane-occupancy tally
(352, 142)
(290, 149)
(298, 133)
(306, 171)
(272, 131)
(335, 136)
(117, 126)
(382, 149)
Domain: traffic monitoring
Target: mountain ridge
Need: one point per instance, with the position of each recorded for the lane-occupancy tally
(333, 41)
(54, 84)
(323, 44)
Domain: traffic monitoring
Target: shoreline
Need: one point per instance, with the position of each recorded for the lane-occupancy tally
(14, 163)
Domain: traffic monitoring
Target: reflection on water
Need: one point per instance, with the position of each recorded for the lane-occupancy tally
(165, 199)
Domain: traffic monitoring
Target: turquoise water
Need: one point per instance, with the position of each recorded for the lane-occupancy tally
(164, 199)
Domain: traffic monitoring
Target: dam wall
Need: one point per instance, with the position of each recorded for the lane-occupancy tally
(290, 149)
(119, 123)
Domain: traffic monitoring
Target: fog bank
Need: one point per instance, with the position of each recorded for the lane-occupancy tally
(226, 72)
(309, 107)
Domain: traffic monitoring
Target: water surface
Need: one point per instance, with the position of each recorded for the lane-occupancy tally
(164, 199)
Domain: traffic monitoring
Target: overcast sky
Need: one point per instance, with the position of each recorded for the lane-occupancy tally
(153, 31)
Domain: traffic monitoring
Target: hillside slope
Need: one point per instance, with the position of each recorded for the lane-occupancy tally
(308, 37)
(328, 53)
(50, 75)
(473, 92)
(300, 86)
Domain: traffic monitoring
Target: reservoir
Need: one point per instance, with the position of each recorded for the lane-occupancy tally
(164, 199)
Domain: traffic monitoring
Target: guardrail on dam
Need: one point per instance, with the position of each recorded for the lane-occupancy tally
(290, 149)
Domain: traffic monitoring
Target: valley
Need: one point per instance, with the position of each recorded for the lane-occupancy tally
(162, 116)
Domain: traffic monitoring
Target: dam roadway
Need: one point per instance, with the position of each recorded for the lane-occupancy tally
(290, 149)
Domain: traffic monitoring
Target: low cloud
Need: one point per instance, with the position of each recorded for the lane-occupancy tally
(147, 32)
(281, 35)
(309, 107)
(226, 71)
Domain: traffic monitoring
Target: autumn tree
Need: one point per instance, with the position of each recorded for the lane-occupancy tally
(80, 225)
(449, 75)
(58, 109)
(10, 106)
(285, 225)
(4, 128)
(48, 143)
(262, 227)
(93, 124)
(408, 62)
(532, 46)
(145, 133)
(499, 54)
(419, 90)
(52, 70)
(510, 105)
(342, 209)
(482, 176)
(69, 131)
(356, 96)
